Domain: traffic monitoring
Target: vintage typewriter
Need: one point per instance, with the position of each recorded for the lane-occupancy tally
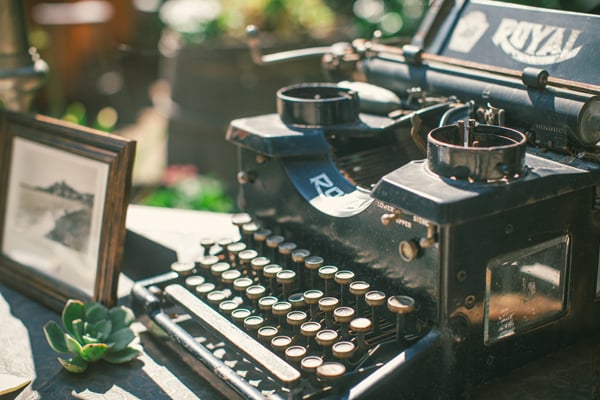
(425, 223)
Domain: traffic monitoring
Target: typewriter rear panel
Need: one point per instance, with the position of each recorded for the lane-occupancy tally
(462, 189)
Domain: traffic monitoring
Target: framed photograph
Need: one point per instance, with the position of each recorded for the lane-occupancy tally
(64, 192)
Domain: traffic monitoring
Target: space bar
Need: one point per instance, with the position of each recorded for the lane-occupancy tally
(239, 339)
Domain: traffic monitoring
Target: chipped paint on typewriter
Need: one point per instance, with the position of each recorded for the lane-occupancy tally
(426, 223)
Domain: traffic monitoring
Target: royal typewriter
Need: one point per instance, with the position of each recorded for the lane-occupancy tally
(423, 221)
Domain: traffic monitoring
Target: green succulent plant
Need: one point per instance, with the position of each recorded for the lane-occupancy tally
(92, 332)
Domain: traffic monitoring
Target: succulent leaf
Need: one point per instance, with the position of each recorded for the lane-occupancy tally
(87, 339)
(121, 317)
(120, 339)
(78, 330)
(103, 329)
(75, 364)
(93, 351)
(55, 337)
(73, 310)
(121, 356)
(72, 344)
(95, 312)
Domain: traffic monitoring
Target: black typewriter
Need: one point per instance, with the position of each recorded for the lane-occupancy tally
(426, 222)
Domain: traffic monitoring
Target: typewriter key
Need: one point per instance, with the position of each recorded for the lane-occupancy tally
(312, 297)
(248, 231)
(215, 297)
(241, 219)
(227, 277)
(240, 314)
(330, 370)
(343, 315)
(343, 278)
(298, 257)
(360, 326)
(359, 289)
(207, 244)
(207, 261)
(280, 343)
(309, 330)
(272, 244)
(183, 268)
(241, 284)
(265, 304)
(295, 319)
(285, 278)
(253, 323)
(312, 264)
(343, 350)
(233, 250)
(400, 305)
(258, 264)
(245, 258)
(227, 306)
(309, 364)
(295, 354)
(255, 292)
(270, 272)
(325, 338)
(203, 289)
(327, 305)
(267, 333)
(260, 236)
(194, 280)
(327, 273)
(217, 269)
(285, 251)
(297, 300)
(375, 299)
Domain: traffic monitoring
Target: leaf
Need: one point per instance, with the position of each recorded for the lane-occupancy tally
(122, 356)
(120, 339)
(121, 317)
(103, 329)
(93, 351)
(55, 337)
(78, 330)
(87, 339)
(95, 312)
(73, 310)
(75, 364)
(72, 344)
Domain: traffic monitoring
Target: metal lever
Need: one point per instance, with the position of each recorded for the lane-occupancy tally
(260, 59)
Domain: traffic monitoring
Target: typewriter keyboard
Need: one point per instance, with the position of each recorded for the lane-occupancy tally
(279, 319)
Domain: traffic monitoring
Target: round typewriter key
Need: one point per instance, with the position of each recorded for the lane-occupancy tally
(280, 343)
(327, 304)
(259, 263)
(262, 234)
(313, 296)
(274, 241)
(218, 268)
(227, 277)
(248, 232)
(309, 330)
(313, 262)
(326, 337)
(343, 314)
(194, 280)
(227, 306)
(255, 292)
(267, 333)
(207, 243)
(375, 298)
(240, 314)
(241, 284)
(295, 353)
(327, 273)
(401, 304)
(343, 350)
(266, 303)
(183, 268)
(240, 219)
(360, 325)
(203, 289)
(271, 270)
(309, 364)
(286, 276)
(207, 261)
(359, 288)
(246, 256)
(330, 370)
(253, 322)
(286, 248)
(300, 255)
(281, 308)
(296, 318)
(215, 297)
(344, 277)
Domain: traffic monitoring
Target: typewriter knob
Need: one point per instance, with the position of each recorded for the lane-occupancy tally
(408, 250)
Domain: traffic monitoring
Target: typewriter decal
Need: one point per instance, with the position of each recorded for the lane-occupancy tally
(412, 229)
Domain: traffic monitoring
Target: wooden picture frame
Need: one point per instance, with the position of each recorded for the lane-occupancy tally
(64, 192)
